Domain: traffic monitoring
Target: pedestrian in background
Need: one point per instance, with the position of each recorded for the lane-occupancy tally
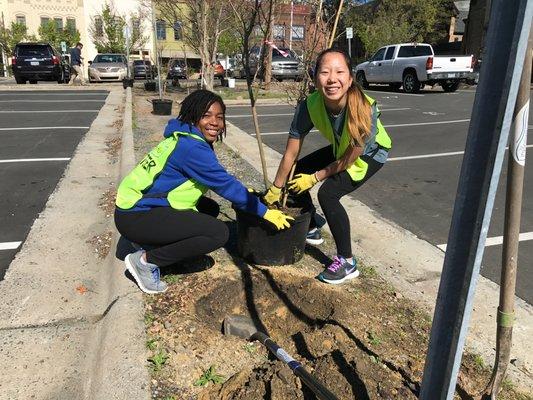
(160, 204)
(76, 60)
(359, 146)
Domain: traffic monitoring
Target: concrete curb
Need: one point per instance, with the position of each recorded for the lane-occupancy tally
(413, 267)
(119, 370)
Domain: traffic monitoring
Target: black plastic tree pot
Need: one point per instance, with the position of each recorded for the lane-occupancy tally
(149, 86)
(259, 243)
(127, 82)
(162, 106)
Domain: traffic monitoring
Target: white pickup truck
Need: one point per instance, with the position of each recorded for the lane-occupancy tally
(412, 65)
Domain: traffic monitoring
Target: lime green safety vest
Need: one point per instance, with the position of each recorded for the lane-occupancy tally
(319, 118)
(183, 197)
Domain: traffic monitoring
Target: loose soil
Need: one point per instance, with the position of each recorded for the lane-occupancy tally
(362, 339)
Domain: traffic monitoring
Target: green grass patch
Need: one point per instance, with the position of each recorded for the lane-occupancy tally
(209, 375)
(171, 279)
(158, 360)
(151, 344)
(373, 339)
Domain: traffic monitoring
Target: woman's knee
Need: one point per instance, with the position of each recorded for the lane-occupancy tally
(326, 196)
(221, 235)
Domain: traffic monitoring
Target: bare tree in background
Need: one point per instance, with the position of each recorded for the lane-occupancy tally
(203, 21)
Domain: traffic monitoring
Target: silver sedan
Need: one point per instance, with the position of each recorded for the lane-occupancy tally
(108, 67)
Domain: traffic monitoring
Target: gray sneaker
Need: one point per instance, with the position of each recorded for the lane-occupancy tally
(146, 276)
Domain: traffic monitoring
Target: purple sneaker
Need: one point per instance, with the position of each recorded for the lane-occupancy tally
(339, 271)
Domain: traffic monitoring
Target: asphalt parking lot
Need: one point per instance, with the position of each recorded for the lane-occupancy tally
(40, 131)
(416, 188)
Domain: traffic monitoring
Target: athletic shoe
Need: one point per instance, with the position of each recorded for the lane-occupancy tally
(147, 276)
(314, 237)
(339, 271)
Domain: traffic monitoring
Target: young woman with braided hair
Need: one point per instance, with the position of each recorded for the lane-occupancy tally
(161, 207)
(359, 145)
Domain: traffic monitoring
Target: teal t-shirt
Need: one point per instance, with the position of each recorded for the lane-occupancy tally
(301, 125)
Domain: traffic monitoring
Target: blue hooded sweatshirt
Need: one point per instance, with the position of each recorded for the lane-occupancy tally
(195, 159)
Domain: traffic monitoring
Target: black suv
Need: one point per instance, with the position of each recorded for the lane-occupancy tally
(39, 62)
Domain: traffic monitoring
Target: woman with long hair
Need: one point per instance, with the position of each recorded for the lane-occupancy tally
(359, 145)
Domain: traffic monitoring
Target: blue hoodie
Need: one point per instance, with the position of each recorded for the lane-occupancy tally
(195, 159)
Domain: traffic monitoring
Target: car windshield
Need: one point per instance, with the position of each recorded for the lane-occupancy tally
(110, 58)
(33, 51)
(141, 62)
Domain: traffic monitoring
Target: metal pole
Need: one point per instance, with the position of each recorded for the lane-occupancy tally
(155, 53)
(350, 48)
(488, 134)
(513, 208)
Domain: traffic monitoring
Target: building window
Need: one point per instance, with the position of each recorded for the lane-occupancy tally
(279, 32)
(71, 25)
(98, 26)
(44, 21)
(178, 34)
(59, 23)
(21, 19)
(297, 32)
(161, 29)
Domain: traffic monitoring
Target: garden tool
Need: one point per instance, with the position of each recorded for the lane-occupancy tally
(243, 327)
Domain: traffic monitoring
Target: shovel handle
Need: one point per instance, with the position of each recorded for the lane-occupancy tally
(309, 380)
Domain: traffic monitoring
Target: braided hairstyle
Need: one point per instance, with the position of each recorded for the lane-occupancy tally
(359, 112)
(195, 105)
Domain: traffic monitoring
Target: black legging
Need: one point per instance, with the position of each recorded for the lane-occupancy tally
(330, 193)
(172, 235)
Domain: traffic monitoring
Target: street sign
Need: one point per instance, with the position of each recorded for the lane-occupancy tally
(63, 47)
(127, 32)
(349, 33)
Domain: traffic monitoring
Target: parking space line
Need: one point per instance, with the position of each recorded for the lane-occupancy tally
(44, 127)
(48, 111)
(279, 133)
(497, 240)
(283, 114)
(395, 93)
(9, 245)
(16, 160)
(451, 153)
(54, 94)
(428, 123)
(52, 101)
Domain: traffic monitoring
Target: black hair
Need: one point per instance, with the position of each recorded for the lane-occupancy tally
(79, 44)
(333, 50)
(195, 105)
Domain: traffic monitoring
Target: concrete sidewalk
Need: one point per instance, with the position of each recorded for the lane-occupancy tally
(413, 266)
(60, 342)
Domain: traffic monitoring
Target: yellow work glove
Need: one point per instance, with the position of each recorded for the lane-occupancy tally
(278, 219)
(272, 195)
(302, 182)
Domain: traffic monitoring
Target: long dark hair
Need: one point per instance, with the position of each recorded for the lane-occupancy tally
(195, 105)
(359, 110)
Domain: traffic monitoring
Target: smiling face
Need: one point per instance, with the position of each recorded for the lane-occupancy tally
(211, 123)
(333, 80)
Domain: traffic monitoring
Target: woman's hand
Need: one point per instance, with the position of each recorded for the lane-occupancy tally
(278, 219)
(302, 183)
(272, 195)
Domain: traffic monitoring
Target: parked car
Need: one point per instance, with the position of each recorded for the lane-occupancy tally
(108, 67)
(143, 69)
(177, 69)
(39, 62)
(285, 64)
(413, 65)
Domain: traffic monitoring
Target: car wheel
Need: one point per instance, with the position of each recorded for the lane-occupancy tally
(20, 81)
(61, 78)
(450, 86)
(411, 84)
(33, 82)
(361, 80)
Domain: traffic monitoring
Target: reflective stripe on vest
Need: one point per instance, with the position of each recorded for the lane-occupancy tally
(141, 178)
(319, 118)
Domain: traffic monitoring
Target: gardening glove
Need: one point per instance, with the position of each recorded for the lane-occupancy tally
(272, 195)
(278, 219)
(302, 182)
